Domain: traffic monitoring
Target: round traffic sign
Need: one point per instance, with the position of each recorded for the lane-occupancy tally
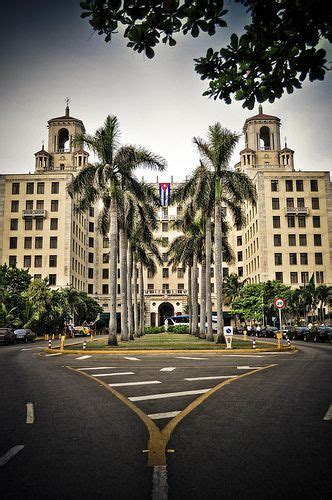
(279, 303)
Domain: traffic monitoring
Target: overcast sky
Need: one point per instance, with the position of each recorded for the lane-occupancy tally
(47, 53)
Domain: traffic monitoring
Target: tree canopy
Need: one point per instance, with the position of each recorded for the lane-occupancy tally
(280, 48)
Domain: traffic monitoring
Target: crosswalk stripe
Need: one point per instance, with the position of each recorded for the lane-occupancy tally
(84, 357)
(187, 357)
(97, 368)
(112, 374)
(132, 359)
(248, 367)
(211, 378)
(135, 383)
(167, 414)
(168, 395)
(168, 369)
(56, 354)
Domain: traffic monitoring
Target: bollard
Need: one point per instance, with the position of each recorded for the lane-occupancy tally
(254, 344)
(84, 344)
(245, 334)
(288, 342)
(62, 342)
(50, 344)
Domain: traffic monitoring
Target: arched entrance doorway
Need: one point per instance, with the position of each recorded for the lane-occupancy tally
(164, 311)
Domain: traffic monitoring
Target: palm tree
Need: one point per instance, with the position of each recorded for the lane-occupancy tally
(323, 293)
(230, 187)
(104, 181)
(231, 289)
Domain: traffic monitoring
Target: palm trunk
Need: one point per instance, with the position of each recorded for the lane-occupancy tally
(195, 297)
(190, 309)
(136, 333)
(112, 340)
(123, 284)
(218, 264)
(209, 333)
(141, 302)
(203, 300)
(129, 294)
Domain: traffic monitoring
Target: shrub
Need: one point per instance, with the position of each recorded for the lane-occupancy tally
(178, 329)
(154, 329)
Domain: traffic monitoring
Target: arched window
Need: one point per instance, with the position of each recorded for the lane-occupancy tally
(264, 138)
(63, 140)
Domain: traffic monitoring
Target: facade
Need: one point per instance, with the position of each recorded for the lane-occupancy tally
(287, 236)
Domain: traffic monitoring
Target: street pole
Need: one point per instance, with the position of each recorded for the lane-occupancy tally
(280, 326)
(263, 311)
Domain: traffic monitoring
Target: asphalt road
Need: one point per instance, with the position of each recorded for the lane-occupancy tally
(262, 435)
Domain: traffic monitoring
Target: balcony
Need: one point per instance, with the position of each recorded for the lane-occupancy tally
(296, 211)
(167, 217)
(34, 213)
(165, 292)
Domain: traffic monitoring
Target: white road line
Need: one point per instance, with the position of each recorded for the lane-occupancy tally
(211, 378)
(168, 414)
(159, 483)
(132, 359)
(248, 367)
(244, 355)
(111, 374)
(30, 413)
(168, 369)
(56, 354)
(328, 415)
(10, 454)
(123, 384)
(168, 395)
(187, 357)
(98, 368)
(84, 357)
(28, 348)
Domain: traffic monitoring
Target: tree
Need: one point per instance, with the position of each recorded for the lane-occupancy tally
(104, 181)
(280, 48)
(231, 289)
(13, 282)
(323, 293)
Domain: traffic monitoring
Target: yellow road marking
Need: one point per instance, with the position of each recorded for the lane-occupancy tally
(158, 439)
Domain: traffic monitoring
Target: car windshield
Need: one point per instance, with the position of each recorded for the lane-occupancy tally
(20, 331)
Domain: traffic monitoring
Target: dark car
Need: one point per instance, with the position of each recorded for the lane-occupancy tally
(298, 333)
(24, 335)
(7, 336)
(269, 332)
(317, 335)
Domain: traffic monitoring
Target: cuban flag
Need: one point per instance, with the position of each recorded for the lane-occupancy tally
(165, 193)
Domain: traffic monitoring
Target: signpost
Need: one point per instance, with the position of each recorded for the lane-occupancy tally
(228, 333)
(279, 304)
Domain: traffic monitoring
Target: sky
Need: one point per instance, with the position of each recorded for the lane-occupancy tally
(48, 53)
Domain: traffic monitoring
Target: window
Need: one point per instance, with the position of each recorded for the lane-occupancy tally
(106, 243)
(54, 205)
(13, 242)
(28, 242)
(303, 240)
(53, 242)
(38, 260)
(29, 205)
(28, 224)
(289, 185)
(239, 241)
(301, 221)
(300, 202)
(165, 272)
(292, 240)
(212, 285)
(314, 185)
(290, 202)
(316, 221)
(37, 276)
(275, 204)
(240, 272)
(277, 240)
(40, 205)
(53, 261)
(105, 274)
(180, 287)
(55, 188)
(12, 260)
(105, 289)
(38, 242)
(165, 286)
(164, 241)
(315, 203)
(317, 240)
(304, 277)
(293, 259)
(278, 259)
(54, 224)
(90, 288)
(40, 187)
(15, 206)
(164, 227)
(299, 185)
(16, 188)
(293, 278)
(319, 277)
(279, 277)
(240, 256)
(91, 212)
(225, 272)
(180, 272)
(165, 257)
(30, 188)
(27, 261)
(90, 257)
(90, 273)
(318, 258)
(276, 221)
(303, 259)
(291, 220)
(91, 227)
(52, 279)
(274, 185)
(39, 223)
(13, 224)
(91, 242)
(151, 287)
(106, 258)
(150, 273)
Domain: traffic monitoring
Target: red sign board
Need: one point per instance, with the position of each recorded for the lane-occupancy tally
(279, 303)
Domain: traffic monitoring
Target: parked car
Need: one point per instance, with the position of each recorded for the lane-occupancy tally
(183, 319)
(269, 332)
(316, 335)
(328, 330)
(7, 336)
(299, 333)
(24, 335)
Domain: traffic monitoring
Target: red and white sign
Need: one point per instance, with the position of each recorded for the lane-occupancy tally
(279, 303)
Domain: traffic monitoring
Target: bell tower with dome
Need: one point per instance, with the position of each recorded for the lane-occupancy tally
(263, 146)
(62, 155)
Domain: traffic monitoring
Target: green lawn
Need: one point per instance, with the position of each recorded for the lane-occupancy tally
(170, 341)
